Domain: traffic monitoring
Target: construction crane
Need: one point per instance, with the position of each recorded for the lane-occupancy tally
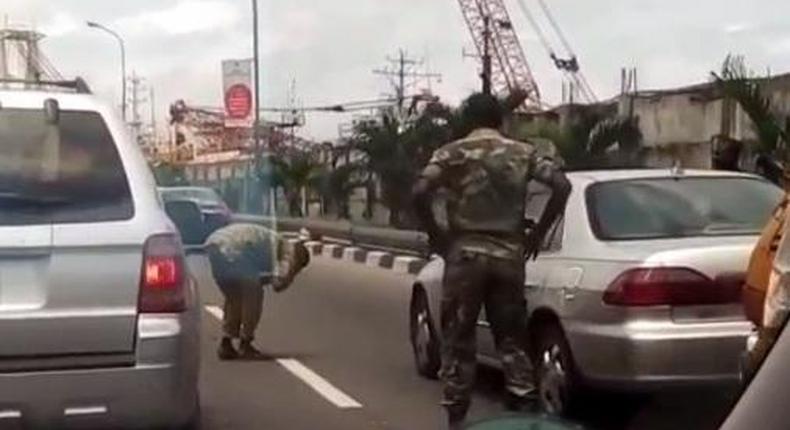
(568, 63)
(505, 67)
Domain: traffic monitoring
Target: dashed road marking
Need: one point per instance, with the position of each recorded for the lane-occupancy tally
(216, 312)
(313, 380)
(319, 384)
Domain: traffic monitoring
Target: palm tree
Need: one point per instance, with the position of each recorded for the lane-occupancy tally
(294, 172)
(592, 141)
(616, 142)
(395, 153)
(737, 83)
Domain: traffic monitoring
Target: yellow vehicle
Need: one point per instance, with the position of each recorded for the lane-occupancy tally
(758, 282)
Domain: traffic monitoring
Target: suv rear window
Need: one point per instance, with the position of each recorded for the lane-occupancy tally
(684, 207)
(69, 172)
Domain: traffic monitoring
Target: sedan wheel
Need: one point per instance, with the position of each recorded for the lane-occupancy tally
(424, 341)
(553, 387)
(556, 380)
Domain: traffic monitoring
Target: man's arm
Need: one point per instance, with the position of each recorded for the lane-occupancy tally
(423, 193)
(555, 179)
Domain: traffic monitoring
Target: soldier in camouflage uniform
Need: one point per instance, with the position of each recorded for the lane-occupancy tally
(241, 262)
(485, 176)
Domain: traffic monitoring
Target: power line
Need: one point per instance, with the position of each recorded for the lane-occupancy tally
(402, 76)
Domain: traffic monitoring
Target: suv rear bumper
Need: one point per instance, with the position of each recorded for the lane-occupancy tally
(160, 389)
(649, 355)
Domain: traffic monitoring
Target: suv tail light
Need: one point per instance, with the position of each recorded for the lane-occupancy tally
(675, 286)
(163, 277)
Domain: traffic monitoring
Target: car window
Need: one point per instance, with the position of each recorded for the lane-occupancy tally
(537, 197)
(200, 194)
(69, 172)
(680, 207)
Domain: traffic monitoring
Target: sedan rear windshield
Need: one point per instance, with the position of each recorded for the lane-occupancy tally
(63, 172)
(680, 207)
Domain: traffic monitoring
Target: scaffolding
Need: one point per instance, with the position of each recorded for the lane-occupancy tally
(21, 58)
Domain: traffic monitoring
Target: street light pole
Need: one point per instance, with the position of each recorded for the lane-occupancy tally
(117, 37)
(256, 60)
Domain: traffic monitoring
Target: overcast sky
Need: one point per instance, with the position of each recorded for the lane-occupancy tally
(331, 47)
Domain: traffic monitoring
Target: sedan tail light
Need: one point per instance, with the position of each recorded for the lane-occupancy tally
(163, 277)
(675, 286)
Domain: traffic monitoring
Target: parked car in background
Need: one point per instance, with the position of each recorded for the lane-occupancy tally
(637, 287)
(215, 212)
(99, 318)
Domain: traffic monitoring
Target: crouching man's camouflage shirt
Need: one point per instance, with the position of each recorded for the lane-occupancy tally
(486, 177)
(255, 251)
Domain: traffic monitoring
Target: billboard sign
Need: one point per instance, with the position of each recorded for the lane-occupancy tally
(238, 93)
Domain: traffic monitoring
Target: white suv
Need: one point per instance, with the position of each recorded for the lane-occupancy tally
(99, 318)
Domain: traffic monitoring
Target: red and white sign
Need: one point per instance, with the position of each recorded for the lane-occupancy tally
(238, 93)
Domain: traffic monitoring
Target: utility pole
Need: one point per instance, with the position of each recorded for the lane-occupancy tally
(152, 100)
(257, 64)
(402, 75)
(135, 91)
(255, 188)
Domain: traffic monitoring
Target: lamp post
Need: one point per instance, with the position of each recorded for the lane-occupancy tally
(117, 37)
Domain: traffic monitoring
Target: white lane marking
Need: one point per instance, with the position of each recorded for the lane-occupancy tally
(216, 312)
(319, 384)
(312, 379)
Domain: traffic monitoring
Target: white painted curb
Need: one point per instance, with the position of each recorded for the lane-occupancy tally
(354, 254)
(315, 248)
(409, 265)
(332, 250)
(380, 259)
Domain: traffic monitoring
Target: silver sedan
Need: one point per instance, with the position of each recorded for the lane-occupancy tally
(637, 287)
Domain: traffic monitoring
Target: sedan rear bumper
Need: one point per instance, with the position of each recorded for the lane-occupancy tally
(159, 390)
(648, 355)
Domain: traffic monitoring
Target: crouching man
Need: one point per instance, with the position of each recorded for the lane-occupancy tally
(244, 259)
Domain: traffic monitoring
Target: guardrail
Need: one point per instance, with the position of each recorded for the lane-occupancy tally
(377, 238)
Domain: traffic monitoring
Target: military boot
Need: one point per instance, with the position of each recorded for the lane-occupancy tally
(226, 350)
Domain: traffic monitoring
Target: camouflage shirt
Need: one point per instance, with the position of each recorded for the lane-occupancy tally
(250, 248)
(486, 176)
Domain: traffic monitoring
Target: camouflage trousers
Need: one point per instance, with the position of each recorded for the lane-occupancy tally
(243, 294)
(472, 281)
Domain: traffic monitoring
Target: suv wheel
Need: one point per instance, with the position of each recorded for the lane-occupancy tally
(557, 381)
(424, 341)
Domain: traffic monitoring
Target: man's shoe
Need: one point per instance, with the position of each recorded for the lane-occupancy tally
(248, 352)
(226, 350)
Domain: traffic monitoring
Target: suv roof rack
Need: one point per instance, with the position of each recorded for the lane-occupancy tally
(78, 84)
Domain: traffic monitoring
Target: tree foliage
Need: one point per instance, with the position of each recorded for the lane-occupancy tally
(169, 175)
(738, 84)
(294, 171)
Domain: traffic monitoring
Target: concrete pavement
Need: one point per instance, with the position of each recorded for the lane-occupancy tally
(344, 327)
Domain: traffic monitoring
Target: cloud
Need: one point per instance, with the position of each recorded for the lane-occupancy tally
(737, 27)
(60, 25)
(186, 17)
(295, 29)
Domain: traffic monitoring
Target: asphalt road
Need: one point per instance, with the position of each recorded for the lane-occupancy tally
(338, 357)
